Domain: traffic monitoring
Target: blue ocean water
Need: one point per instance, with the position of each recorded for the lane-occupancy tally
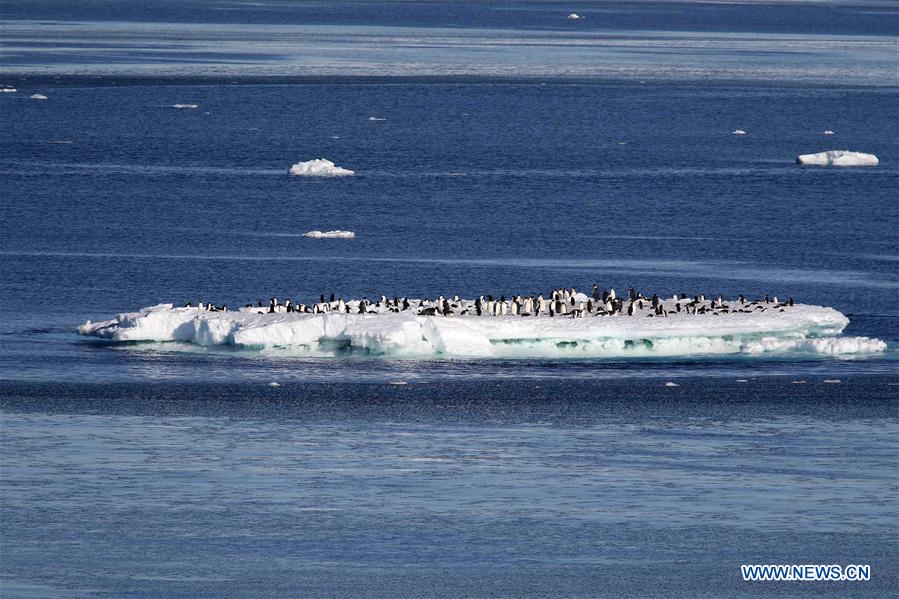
(514, 155)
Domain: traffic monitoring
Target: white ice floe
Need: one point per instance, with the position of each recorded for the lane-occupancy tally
(828, 132)
(274, 384)
(804, 329)
(7, 90)
(319, 168)
(738, 132)
(38, 97)
(376, 118)
(838, 158)
(671, 384)
(574, 16)
(185, 105)
(335, 234)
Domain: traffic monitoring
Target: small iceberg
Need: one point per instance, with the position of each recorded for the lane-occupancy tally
(185, 105)
(738, 132)
(7, 89)
(574, 16)
(376, 118)
(838, 158)
(38, 97)
(319, 168)
(335, 234)
(828, 132)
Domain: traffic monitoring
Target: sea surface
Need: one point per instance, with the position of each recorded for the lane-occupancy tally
(512, 150)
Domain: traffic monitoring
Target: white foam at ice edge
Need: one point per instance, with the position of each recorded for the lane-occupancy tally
(38, 97)
(838, 158)
(319, 168)
(834, 346)
(800, 329)
(185, 106)
(335, 234)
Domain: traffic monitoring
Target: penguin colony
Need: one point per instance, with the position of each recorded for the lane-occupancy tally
(559, 303)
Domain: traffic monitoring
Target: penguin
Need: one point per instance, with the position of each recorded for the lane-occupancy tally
(321, 298)
(630, 309)
(655, 301)
(596, 295)
(612, 293)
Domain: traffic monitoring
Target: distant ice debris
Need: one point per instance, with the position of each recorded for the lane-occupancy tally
(574, 16)
(6, 89)
(375, 118)
(833, 381)
(738, 132)
(828, 132)
(838, 158)
(185, 105)
(319, 168)
(335, 234)
(38, 97)
(274, 384)
(670, 384)
(742, 380)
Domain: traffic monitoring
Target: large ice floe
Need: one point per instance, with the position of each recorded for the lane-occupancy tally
(573, 326)
(838, 158)
(319, 168)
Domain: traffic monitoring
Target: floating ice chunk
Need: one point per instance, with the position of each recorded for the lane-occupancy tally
(574, 16)
(185, 106)
(742, 380)
(6, 89)
(670, 384)
(319, 168)
(38, 97)
(833, 381)
(828, 132)
(799, 329)
(376, 118)
(738, 132)
(335, 234)
(274, 384)
(838, 158)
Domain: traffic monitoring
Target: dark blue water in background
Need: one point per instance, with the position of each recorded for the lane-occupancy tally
(150, 470)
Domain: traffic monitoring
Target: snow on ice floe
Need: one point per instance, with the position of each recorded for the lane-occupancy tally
(319, 168)
(184, 106)
(738, 132)
(798, 329)
(335, 234)
(38, 97)
(838, 158)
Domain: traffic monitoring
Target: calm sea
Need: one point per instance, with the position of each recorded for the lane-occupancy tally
(516, 150)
